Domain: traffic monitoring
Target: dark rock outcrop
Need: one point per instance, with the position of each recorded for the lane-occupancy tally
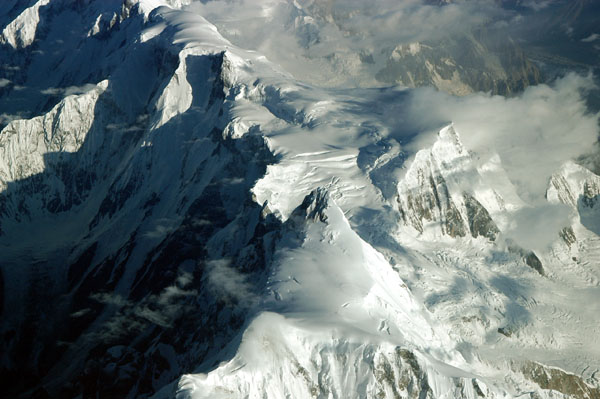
(480, 221)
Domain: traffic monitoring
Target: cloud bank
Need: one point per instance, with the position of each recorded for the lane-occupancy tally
(537, 227)
(533, 133)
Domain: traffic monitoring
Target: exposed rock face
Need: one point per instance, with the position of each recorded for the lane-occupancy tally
(425, 197)
(480, 221)
(557, 380)
(579, 188)
(591, 193)
(568, 236)
(534, 262)
(529, 257)
(423, 194)
(462, 65)
(313, 207)
(432, 203)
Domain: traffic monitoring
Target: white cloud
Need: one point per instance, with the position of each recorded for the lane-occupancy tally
(537, 5)
(591, 38)
(534, 133)
(227, 282)
(161, 309)
(162, 226)
(7, 118)
(51, 91)
(67, 91)
(537, 227)
(166, 307)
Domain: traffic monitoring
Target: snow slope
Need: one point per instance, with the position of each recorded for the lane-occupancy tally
(486, 306)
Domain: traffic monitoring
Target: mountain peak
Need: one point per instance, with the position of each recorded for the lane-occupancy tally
(449, 133)
(314, 206)
(171, 200)
(449, 149)
(438, 193)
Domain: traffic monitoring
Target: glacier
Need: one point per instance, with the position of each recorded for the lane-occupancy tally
(182, 218)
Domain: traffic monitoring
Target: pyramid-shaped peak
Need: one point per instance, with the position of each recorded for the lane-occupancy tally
(449, 133)
(448, 145)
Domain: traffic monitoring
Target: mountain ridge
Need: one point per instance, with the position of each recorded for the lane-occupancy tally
(198, 209)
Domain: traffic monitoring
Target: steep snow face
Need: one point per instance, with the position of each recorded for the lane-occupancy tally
(196, 209)
(21, 31)
(447, 192)
(318, 361)
(107, 214)
(26, 145)
(442, 192)
(340, 322)
(577, 188)
(473, 305)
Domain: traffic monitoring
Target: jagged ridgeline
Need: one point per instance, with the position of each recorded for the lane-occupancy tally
(117, 201)
(179, 217)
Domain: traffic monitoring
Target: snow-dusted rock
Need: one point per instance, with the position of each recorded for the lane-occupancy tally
(26, 144)
(438, 193)
(21, 31)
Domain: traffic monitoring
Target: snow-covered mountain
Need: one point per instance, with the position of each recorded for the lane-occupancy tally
(180, 217)
(413, 44)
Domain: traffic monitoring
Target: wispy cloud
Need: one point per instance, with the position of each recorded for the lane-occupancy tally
(161, 227)
(160, 309)
(591, 38)
(67, 91)
(228, 283)
(222, 282)
(537, 5)
(7, 118)
(534, 133)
